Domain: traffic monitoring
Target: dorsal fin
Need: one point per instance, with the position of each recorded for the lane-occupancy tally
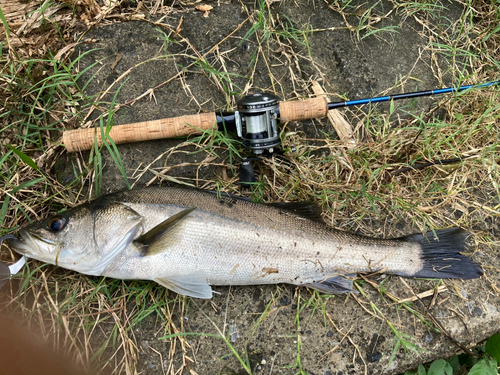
(309, 210)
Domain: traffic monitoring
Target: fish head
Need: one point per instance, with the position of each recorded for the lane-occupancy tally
(85, 238)
(53, 239)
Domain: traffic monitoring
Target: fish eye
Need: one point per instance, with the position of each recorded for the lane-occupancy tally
(56, 224)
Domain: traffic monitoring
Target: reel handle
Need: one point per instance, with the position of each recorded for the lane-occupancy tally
(83, 139)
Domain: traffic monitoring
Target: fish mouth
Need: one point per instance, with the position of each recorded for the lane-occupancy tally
(36, 237)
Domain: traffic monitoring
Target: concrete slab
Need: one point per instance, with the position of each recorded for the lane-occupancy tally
(281, 329)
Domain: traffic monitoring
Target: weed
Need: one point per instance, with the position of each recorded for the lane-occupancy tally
(485, 362)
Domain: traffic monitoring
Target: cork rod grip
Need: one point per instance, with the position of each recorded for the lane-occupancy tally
(299, 110)
(83, 139)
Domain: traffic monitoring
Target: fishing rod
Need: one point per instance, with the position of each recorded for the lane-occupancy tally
(255, 120)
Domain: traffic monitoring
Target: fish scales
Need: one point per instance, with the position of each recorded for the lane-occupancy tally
(187, 240)
(227, 234)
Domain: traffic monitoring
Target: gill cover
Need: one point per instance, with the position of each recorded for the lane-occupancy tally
(114, 226)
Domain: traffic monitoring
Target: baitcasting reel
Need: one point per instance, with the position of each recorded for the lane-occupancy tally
(257, 122)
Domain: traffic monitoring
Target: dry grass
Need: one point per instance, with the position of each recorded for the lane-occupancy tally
(94, 319)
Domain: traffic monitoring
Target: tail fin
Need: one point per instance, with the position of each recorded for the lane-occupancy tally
(441, 255)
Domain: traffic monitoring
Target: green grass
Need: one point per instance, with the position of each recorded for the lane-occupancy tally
(484, 362)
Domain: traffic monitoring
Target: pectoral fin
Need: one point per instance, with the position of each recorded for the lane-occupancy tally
(192, 285)
(153, 241)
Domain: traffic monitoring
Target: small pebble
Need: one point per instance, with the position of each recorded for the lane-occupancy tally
(329, 333)
(375, 357)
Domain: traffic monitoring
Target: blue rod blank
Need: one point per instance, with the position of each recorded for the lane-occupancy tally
(408, 95)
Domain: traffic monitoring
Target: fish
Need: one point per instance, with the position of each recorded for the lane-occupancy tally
(189, 240)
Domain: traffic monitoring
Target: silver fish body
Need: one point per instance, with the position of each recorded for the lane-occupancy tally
(189, 239)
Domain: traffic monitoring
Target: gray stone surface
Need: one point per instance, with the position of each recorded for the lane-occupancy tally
(346, 66)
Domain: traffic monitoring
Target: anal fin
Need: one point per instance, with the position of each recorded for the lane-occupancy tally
(192, 285)
(338, 284)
